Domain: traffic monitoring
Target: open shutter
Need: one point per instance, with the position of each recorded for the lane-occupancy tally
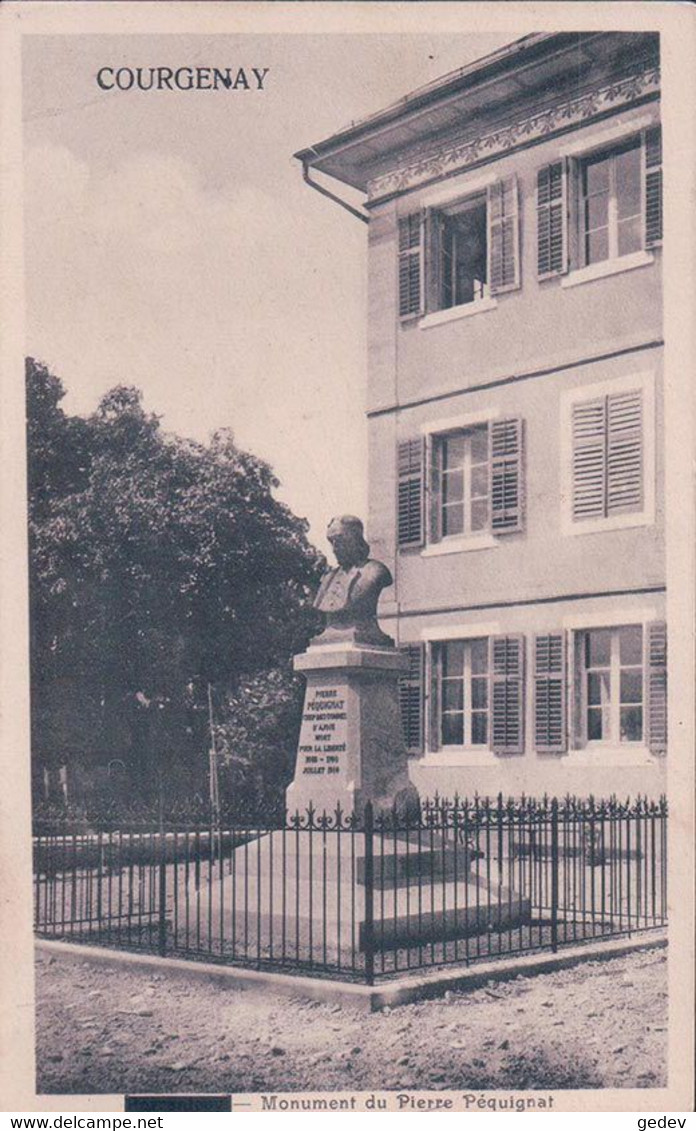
(503, 236)
(589, 458)
(410, 492)
(434, 456)
(656, 679)
(652, 148)
(411, 696)
(552, 224)
(550, 728)
(624, 452)
(507, 486)
(507, 691)
(434, 260)
(410, 255)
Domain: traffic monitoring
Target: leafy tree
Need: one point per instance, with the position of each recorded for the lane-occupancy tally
(158, 565)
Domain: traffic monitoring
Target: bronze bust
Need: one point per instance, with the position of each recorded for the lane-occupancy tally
(348, 594)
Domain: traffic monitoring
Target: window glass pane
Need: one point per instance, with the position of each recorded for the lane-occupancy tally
(598, 688)
(479, 729)
(452, 520)
(479, 656)
(631, 644)
(597, 246)
(479, 445)
(598, 648)
(452, 695)
(479, 692)
(594, 724)
(596, 177)
(632, 686)
(453, 448)
(470, 253)
(452, 486)
(630, 235)
(479, 514)
(479, 480)
(628, 182)
(597, 212)
(453, 658)
(452, 730)
(631, 724)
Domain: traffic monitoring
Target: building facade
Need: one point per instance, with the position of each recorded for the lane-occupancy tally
(514, 406)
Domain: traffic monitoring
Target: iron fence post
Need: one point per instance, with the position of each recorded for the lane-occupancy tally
(162, 933)
(554, 875)
(369, 921)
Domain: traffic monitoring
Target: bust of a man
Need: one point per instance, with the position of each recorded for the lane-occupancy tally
(348, 594)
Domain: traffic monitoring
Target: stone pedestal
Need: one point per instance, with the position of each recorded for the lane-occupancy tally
(351, 748)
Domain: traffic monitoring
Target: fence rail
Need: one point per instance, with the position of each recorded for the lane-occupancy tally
(358, 897)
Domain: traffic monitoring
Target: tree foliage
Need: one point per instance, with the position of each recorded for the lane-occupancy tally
(158, 565)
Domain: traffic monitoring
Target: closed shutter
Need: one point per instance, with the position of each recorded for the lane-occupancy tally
(507, 691)
(552, 228)
(410, 492)
(507, 485)
(503, 236)
(410, 253)
(656, 678)
(550, 729)
(624, 452)
(589, 458)
(652, 145)
(411, 696)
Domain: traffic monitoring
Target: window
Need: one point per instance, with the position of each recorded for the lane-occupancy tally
(610, 207)
(600, 208)
(475, 483)
(463, 699)
(611, 666)
(608, 455)
(460, 254)
(462, 460)
(464, 266)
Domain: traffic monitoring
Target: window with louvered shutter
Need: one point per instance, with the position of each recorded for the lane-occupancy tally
(653, 186)
(608, 459)
(656, 677)
(550, 732)
(507, 694)
(624, 452)
(507, 495)
(410, 244)
(503, 236)
(411, 696)
(552, 255)
(410, 492)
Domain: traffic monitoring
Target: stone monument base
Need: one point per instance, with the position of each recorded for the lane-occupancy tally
(351, 748)
(301, 894)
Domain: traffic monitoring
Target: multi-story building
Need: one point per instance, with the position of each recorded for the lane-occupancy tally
(514, 409)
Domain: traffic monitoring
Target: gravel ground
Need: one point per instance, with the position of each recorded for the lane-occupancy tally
(600, 1024)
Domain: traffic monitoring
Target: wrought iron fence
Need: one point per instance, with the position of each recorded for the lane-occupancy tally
(357, 897)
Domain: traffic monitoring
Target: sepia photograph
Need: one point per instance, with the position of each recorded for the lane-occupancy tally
(353, 735)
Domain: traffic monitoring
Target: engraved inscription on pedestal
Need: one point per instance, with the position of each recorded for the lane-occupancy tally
(324, 733)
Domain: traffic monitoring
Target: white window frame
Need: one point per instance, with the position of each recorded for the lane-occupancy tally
(433, 431)
(645, 381)
(600, 754)
(452, 755)
(450, 201)
(614, 669)
(576, 153)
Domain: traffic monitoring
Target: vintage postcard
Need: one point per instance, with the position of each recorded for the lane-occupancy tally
(347, 606)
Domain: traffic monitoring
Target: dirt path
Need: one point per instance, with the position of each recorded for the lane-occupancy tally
(602, 1024)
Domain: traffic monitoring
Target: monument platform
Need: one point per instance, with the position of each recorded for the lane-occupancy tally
(305, 891)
